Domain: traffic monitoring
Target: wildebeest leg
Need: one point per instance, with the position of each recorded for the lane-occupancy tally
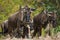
(5, 31)
(24, 32)
(47, 30)
(23, 36)
(20, 31)
(10, 31)
(51, 30)
(29, 35)
(15, 32)
(34, 33)
(40, 30)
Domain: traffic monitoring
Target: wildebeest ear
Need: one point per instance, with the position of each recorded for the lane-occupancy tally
(32, 9)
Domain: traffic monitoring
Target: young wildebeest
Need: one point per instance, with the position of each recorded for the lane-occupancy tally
(41, 20)
(27, 21)
(14, 22)
(4, 27)
(18, 20)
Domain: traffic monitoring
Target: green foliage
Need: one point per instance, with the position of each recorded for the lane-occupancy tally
(8, 7)
(37, 11)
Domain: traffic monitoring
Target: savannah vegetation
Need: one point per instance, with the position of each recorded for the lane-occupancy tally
(9, 7)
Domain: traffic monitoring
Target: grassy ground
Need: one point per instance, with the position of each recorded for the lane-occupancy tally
(57, 37)
(0, 29)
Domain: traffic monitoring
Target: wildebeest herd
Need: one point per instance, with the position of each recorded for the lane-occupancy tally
(20, 24)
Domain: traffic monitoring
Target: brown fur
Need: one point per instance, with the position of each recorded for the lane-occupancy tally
(4, 27)
(41, 21)
(14, 22)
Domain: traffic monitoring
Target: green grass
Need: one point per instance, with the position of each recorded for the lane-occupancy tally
(0, 29)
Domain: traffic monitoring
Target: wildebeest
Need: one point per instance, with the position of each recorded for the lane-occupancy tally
(14, 21)
(27, 21)
(41, 20)
(18, 20)
(52, 21)
(4, 27)
(53, 18)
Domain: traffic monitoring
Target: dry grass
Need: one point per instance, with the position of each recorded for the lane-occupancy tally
(56, 37)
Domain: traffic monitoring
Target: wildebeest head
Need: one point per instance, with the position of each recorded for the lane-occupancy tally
(24, 14)
(52, 18)
(27, 13)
